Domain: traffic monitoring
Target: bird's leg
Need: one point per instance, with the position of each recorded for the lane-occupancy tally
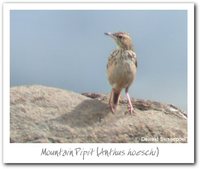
(130, 106)
(110, 97)
(110, 102)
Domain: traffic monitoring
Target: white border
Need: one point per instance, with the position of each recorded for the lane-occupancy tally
(30, 153)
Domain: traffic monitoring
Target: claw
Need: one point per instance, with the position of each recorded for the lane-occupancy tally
(113, 110)
(131, 109)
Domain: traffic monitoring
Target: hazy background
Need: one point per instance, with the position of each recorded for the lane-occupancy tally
(68, 49)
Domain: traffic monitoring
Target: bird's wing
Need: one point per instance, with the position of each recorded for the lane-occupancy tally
(132, 56)
(112, 57)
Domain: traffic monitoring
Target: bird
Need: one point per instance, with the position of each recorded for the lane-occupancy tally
(121, 68)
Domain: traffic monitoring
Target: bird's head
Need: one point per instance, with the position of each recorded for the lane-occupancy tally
(122, 39)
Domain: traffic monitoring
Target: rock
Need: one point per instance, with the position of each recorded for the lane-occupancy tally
(41, 114)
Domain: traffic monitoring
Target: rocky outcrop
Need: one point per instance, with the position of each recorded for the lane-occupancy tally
(40, 114)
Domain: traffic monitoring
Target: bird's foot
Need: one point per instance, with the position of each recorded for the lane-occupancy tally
(130, 106)
(130, 110)
(113, 109)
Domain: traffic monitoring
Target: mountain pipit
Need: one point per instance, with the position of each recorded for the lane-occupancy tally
(121, 68)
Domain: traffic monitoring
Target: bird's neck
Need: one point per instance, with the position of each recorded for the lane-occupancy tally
(126, 48)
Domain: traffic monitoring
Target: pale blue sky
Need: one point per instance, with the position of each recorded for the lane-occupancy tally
(68, 49)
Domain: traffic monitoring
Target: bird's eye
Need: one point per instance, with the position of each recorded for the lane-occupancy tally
(119, 36)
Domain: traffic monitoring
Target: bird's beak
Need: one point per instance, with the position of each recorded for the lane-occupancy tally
(109, 34)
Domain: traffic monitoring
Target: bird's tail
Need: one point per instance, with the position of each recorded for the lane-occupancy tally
(116, 95)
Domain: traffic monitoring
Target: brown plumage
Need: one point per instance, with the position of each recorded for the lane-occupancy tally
(121, 68)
